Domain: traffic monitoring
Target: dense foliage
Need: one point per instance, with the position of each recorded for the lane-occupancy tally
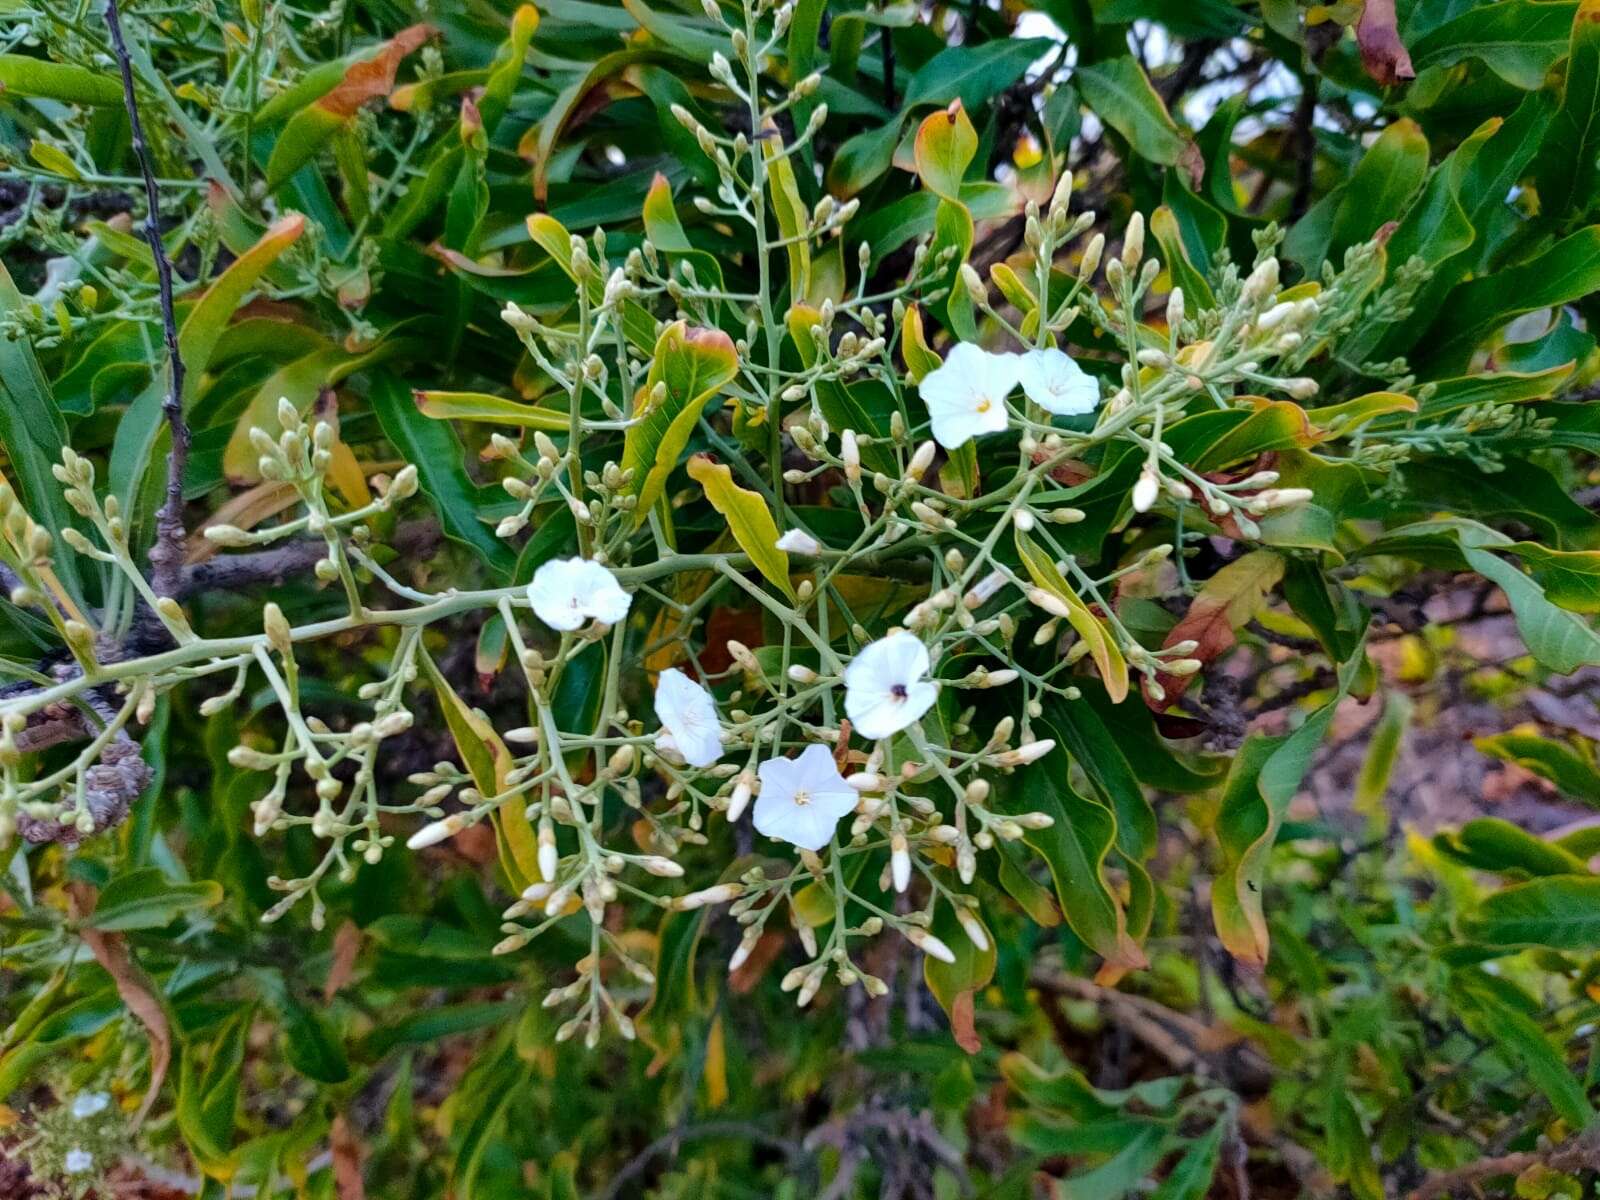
(538, 541)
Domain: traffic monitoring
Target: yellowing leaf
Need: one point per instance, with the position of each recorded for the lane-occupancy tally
(945, 145)
(920, 357)
(488, 761)
(54, 160)
(789, 210)
(691, 365)
(1103, 650)
(748, 517)
(489, 410)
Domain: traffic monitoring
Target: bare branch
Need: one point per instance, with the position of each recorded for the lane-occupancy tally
(166, 556)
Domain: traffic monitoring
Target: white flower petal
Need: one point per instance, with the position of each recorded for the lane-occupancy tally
(78, 1161)
(566, 593)
(1056, 384)
(965, 396)
(689, 714)
(802, 799)
(885, 685)
(89, 1104)
(797, 541)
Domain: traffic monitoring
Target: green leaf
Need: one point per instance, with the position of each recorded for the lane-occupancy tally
(1265, 776)
(1490, 844)
(1527, 1047)
(23, 75)
(1559, 911)
(1566, 172)
(1075, 848)
(1124, 1171)
(208, 1095)
(789, 210)
(1121, 95)
(1570, 578)
(974, 75)
(552, 237)
(147, 899)
(311, 128)
(1567, 271)
(690, 365)
(1572, 771)
(142, 434)
(969, 974)
(1190, 1178)
(484, 409)
(33, 434)
(1372, 784)
(433, 447)
(1519, 40)
(1384, 181)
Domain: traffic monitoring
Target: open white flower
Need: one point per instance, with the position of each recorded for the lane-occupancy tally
(78, 1161)
(798, 541)
(89, 1104)
(802, 799)
(885, 686)
(566, 592)
(688, 715)
(966, 395)
(1057, 384)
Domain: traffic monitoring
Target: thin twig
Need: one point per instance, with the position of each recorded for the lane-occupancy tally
(166, 556)
(1578, 1153)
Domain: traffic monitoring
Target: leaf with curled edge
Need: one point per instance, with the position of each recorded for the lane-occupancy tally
(692, 365)
(488, 761)
(1108, 659)
(1264, 777)
(953, 984)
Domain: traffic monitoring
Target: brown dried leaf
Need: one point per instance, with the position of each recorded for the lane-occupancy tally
(346, 945)
(137, 990)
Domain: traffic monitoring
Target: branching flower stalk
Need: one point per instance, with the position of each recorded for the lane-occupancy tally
(900, 685)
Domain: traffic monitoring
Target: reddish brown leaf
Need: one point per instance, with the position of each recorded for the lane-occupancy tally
(1226, 602)
(373, 78)
(346, 1150)
(346, 945)
(962, 1026)
(1383, 54)
(137, 990)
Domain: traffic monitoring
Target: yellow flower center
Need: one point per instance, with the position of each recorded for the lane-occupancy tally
(984, 404)
(802, 798)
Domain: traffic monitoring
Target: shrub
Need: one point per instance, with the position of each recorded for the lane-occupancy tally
(563, 535)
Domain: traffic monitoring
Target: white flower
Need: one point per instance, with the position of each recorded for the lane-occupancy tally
(803, 798)
(88, 1104)
(966, 396)
(78, 1161)
(1057, 384)
(566, 592)
(797, 541)
(689, 716)
(884, 686)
